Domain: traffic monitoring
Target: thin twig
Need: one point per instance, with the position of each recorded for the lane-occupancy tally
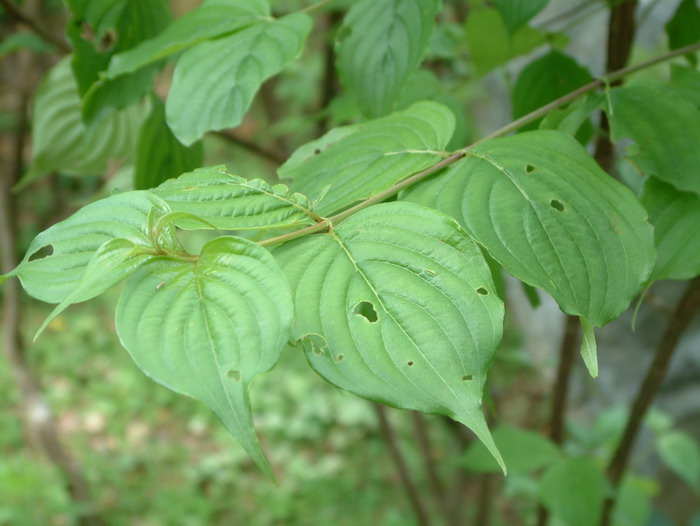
(268, 155)
(22, 18)
(407, 483)
(314, 8)
(683, 314)
(484, 501)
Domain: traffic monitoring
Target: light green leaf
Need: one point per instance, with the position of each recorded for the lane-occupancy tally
(544, 80)
(589, 348)
(486, 25)
(552, 218)
(517, 13)
(57, 259)
(380, 44)
(207, 328)
(364, 159)
(681, 453)
(665, 128)
(396, 304)
(59, 139)
(574, 116)
(210, 20)
(230, 202)
(633, 503)
(573, 491)
(159, 155)
(523, 451)
(675, 216)
(114, 261)
(684, 27)
(241, 62)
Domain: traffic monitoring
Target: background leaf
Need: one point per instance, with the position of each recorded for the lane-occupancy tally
(364, 159)
(675, 216)
(573, 491)
(665, 128)
(210, 20)
(684, 27)
(159, 155)
(207, 328)
(230, 202)
(380, 44)
(681, 453)
(242, 62)
(397, 305)
(517, 13)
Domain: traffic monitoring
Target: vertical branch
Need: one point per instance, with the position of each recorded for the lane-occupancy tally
(408, 485)
(483, 510)
(330, 76)
(679, 321)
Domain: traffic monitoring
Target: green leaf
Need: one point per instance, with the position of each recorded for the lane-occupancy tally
(681, 453)
(59, 139)
(573, 491)
(205, 329)
(687, 82)
(633, 503)
(589, 348)
(159, 155)
(210, 20)
(666, 132)
(397, 305)
(486, 25)
(523, 452)
(574, 118)
(114, 261)
(552, 218)
(545, 80)
(380, 44)
(361, 160)
(241, 62)
(517, 13)
(230, 202)
(684, 27)
(675, 216)
(23, 40)
(57, 259)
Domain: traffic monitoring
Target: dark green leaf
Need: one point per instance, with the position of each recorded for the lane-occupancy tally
(397, 304)
(360, 160)
(665, 128)
(207, 328)
(676, 217)
(379, 46)
(241, 62)
(517, 13)
(159, 155)
(684, 27)
(544, 80)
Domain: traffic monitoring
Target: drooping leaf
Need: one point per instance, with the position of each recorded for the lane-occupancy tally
(552, 218)
(159, 155)
(486, 25)
(57, 259)
(379, 46)
(59, 139)
(684, 27)
(240, 62)
(517, 13)
(544, 80)
(210, 20)
(675, 216)
(523, 451)
(396, 304)
(589, 348)
(573, 491)
(230, 202)
(364, 159)
(206, 328)
(681, 453)
(665, 128)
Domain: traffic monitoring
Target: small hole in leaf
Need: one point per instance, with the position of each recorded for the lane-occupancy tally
(234, 375)
(409, 363)
(482, 291)
(340, 358)
(366, 310)
(468, 377)
(317, 151)
(529, 168)
(42, 253)
(557, 205)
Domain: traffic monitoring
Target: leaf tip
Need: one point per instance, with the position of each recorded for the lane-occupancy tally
(589, 350)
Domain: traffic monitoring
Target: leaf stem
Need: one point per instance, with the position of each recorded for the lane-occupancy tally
(453, 158)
